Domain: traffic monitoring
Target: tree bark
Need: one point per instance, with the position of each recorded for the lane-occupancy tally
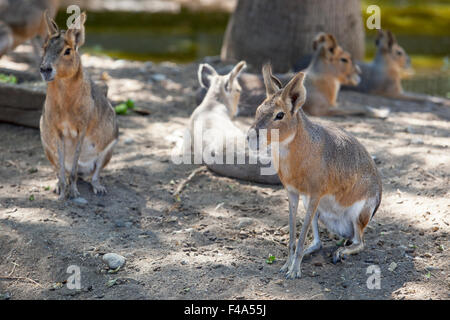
(282, 31)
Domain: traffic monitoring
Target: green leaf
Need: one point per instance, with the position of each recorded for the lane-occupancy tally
(121, 108)
(31, 198)
(8, 79)
(111, 283)
(271, 259)
(114, 270)
(130, 104)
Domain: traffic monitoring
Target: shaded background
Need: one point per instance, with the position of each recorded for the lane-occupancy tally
(183, 31)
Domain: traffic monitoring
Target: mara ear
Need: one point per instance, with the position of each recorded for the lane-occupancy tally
(318, 39)
(326, 41)
(391, 40)
(294, 94)
(380, 35)
(76, 32)
(384, 40)
(234, 74)
(205, 74)
(331, 42)
(52, 27)
(273, 85)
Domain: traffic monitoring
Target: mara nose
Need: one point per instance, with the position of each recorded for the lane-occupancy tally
(46, 69)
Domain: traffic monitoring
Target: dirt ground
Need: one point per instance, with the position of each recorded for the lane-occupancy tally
(214, 243)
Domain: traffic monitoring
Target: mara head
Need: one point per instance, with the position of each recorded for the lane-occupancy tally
(330, 58)
(280, 109)
(61, 58)
(224, 86)
(392, 55)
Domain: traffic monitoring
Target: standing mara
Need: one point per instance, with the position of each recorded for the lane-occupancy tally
(331, 171)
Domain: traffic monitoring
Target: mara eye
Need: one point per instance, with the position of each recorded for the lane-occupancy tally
(399, 53)
(344, 60)
(67, 52)
(279, 116)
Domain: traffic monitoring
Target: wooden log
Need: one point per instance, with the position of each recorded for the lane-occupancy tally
(21, 103)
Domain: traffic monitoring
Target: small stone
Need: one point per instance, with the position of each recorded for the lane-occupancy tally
(113, 260)
(392, 267)
(80, 200)
(417, 141)
(279, 282)
(128, 141)
(410, 129)
(158, 77)
(119, 224)
(244, 222)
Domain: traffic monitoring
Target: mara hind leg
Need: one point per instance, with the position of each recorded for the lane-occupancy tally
(359, 225)
(316, 244)
(73, 175)
(100, 163)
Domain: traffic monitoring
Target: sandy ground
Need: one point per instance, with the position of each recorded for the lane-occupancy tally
(214, 243)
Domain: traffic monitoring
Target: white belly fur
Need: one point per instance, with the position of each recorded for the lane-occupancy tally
(336, 218)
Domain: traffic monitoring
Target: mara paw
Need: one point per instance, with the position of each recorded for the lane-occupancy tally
(98, 188)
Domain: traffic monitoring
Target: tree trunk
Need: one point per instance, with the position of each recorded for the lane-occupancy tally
(281, 31)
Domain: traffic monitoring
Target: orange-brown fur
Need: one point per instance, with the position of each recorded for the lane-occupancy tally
(324, 164)
(330, 68)
(78, 124)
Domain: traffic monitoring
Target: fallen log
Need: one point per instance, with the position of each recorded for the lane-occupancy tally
(22, 103)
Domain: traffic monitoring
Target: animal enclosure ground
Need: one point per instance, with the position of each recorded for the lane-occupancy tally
(216, 241)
